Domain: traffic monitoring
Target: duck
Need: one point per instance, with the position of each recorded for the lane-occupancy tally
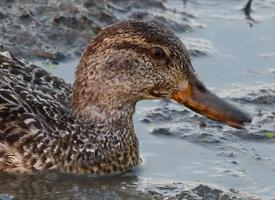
(47, 124)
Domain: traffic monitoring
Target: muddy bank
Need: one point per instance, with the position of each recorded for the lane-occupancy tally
(59, 30)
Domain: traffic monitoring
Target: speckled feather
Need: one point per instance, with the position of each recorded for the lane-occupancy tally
(47, 125)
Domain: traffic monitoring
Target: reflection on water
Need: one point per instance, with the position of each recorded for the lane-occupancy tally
(62, 186)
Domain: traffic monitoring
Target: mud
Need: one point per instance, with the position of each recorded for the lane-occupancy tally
(58, 30)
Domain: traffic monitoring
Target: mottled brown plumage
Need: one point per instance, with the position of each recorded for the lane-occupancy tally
(45, 124)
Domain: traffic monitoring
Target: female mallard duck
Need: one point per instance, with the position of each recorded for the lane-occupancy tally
(45, 124)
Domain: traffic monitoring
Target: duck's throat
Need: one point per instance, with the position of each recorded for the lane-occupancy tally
(101, 102)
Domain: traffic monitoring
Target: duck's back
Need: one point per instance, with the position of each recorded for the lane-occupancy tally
(33, 104)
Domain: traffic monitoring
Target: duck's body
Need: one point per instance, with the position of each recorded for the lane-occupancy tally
(38, 130)
(46, 124)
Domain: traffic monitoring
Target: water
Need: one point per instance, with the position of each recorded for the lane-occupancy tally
(239, 56)
(181, 150)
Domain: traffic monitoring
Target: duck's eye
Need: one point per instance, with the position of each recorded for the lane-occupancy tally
(157, 52)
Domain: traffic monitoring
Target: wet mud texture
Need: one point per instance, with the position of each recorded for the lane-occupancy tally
(57, 30)
(48, 186)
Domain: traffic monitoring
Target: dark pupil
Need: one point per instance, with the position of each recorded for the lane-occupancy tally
(157, 52)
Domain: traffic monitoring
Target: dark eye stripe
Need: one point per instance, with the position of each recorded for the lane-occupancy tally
(155, 52)
(127, 45)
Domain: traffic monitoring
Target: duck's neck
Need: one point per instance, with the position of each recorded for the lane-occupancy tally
(112, 120)
(99, 98)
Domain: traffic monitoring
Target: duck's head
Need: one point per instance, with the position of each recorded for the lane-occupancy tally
(134, 60)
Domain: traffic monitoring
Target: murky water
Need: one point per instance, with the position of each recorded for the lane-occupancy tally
(186, 155)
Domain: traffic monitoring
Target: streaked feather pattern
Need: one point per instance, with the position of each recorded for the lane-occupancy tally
(38, 130)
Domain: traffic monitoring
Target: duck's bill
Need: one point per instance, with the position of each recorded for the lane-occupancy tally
(198, 98)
